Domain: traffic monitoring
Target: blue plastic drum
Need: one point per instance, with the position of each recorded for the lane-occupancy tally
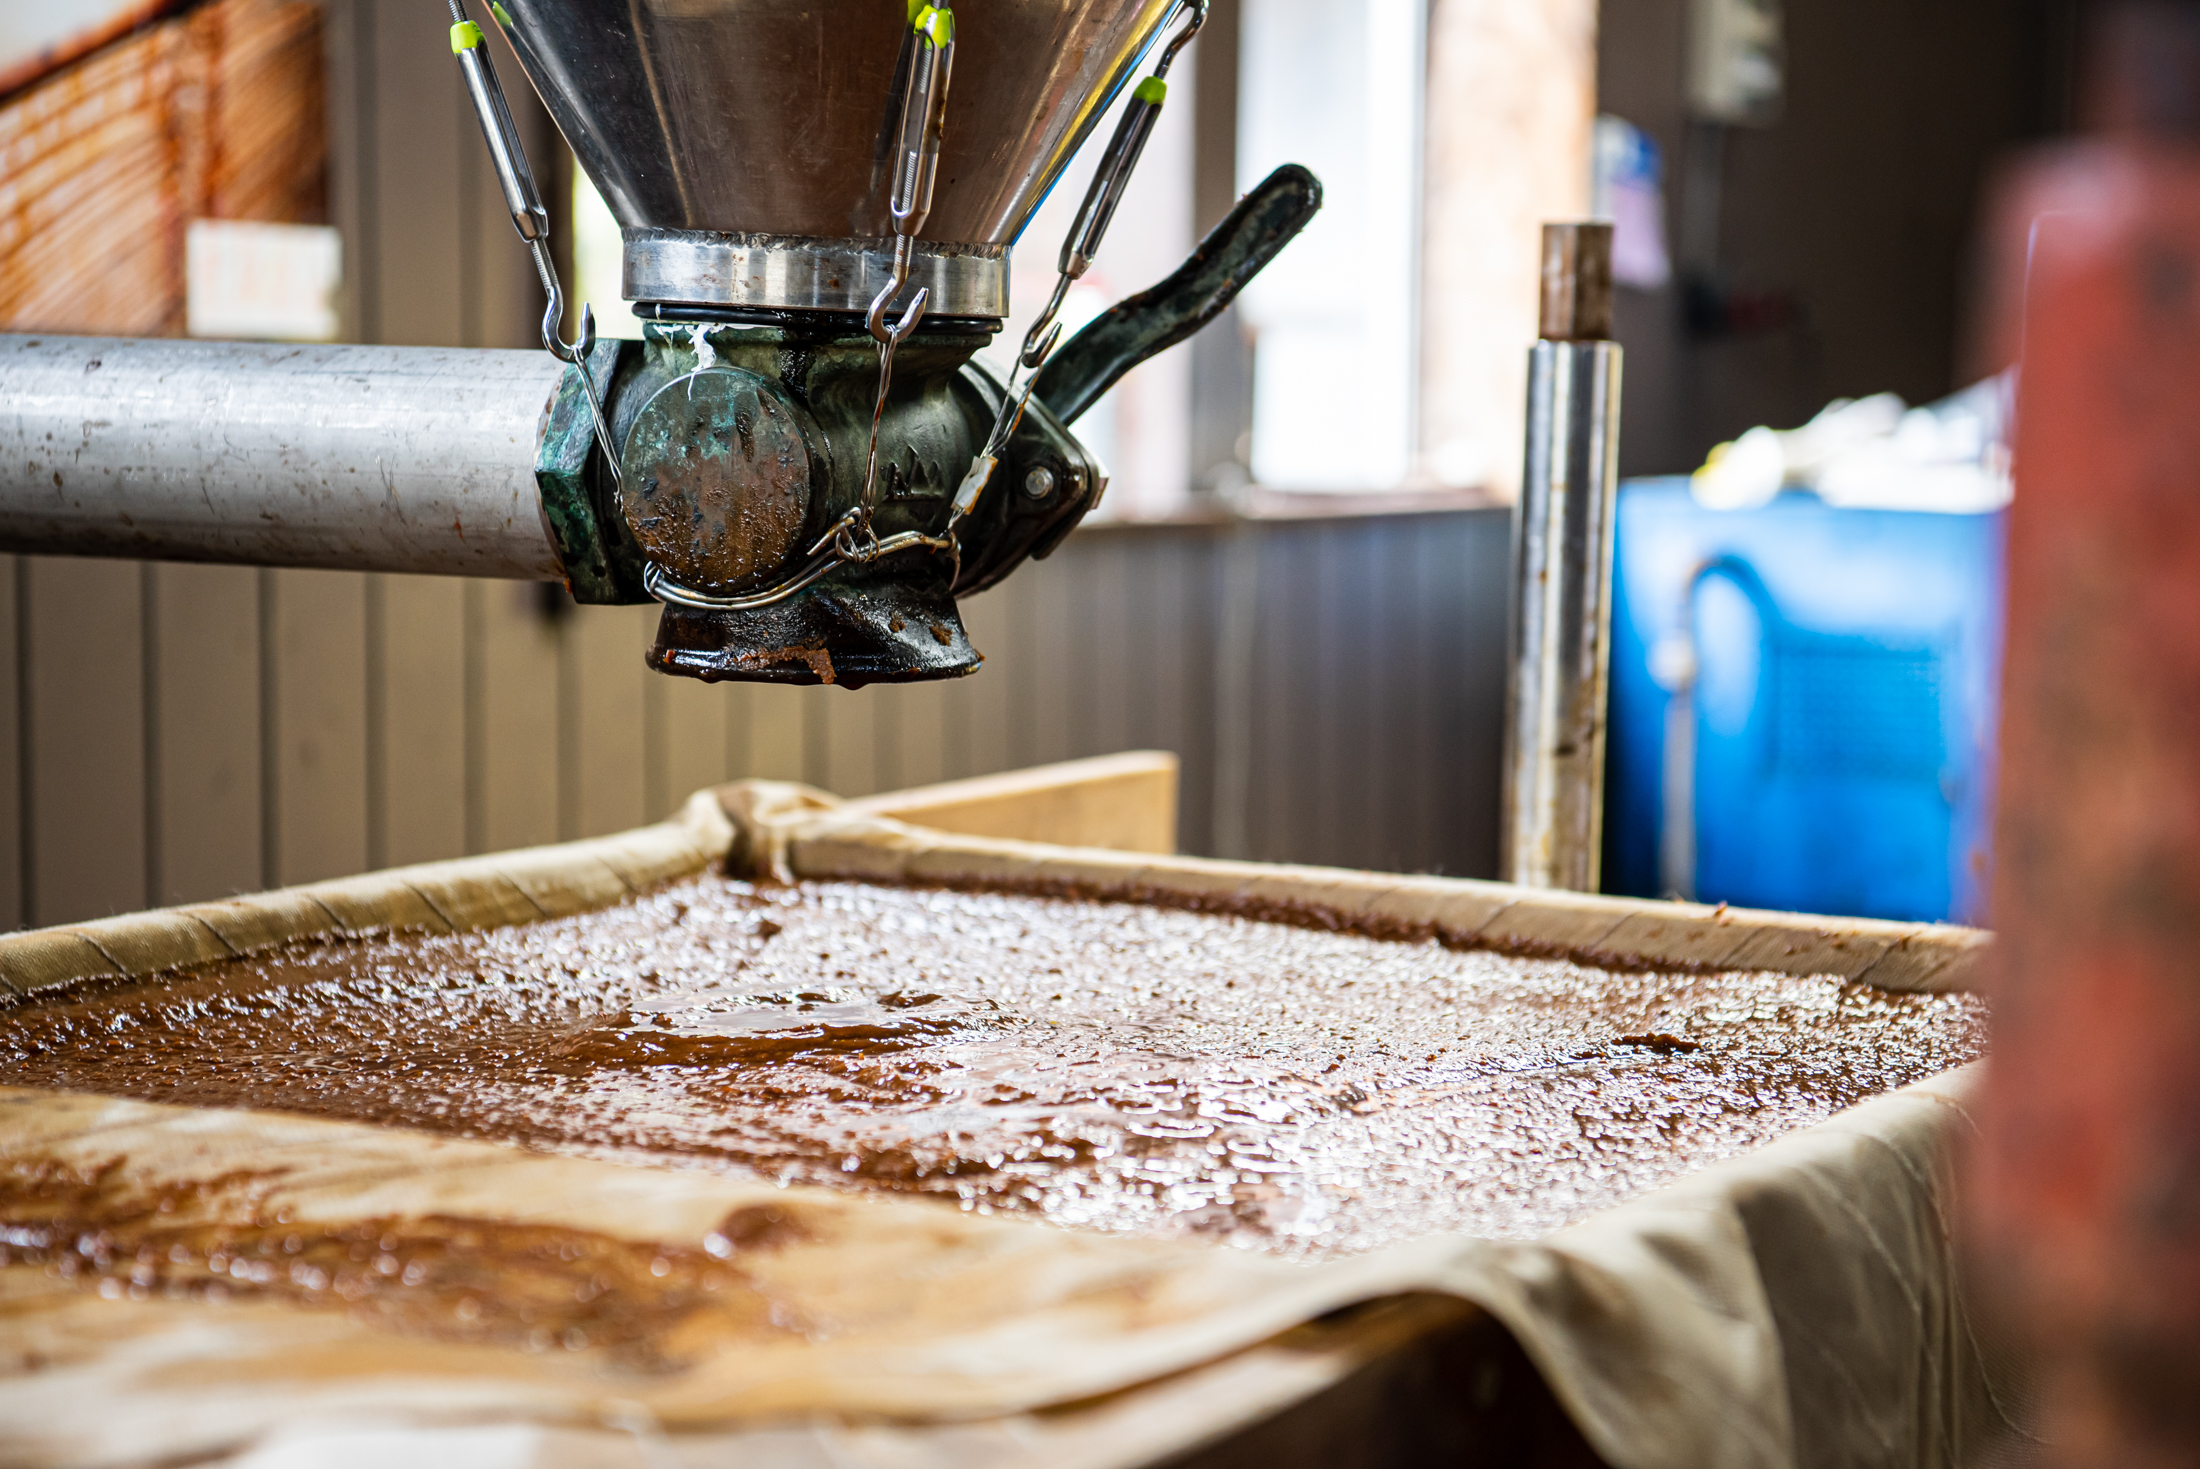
(1803, 705)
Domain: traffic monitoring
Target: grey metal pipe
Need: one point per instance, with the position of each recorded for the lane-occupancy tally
(1552, 818)
(363, 458)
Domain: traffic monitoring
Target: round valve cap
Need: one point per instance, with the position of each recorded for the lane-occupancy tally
(717, 478)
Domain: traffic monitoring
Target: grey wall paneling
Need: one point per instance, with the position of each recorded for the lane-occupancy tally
(1425, 747)
(412, 182)
(314, 684)
(1382, 828)
(607, 699)
(83, 733)
(1338, 688)
(417, 719)
(881, 717)
(1235, 577)
(739, 714)
(1105, 673)
(1176, 588)
(514, 682)
(203, 765)
(1335, 690)
(916, 753)
(851, 738)
(14, 769)
(1285, 710)
(1011, 657)
(778, 733)
(1055, 599)
(978, 710)
(692, 720)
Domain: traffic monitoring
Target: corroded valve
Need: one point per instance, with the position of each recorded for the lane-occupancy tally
(744, 445)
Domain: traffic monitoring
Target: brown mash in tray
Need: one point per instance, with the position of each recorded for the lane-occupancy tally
(1103, 1065)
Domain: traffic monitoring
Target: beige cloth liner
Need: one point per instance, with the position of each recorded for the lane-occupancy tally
(797, 838)
(1794, 1307)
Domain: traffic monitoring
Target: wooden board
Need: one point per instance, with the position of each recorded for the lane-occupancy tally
(1123, 802)
(214, 114)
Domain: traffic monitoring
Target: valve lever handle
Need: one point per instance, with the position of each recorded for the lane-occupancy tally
(1164, 314)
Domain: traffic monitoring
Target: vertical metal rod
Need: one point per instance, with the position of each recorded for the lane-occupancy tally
(1552, 820)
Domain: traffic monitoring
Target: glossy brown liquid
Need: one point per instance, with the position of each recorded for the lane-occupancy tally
(531, 1286)
(1103, 1065)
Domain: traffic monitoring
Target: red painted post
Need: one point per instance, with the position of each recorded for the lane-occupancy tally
(2087, 1207)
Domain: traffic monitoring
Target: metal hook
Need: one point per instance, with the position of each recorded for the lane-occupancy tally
(553, 309)
(1013, 403)
(888, 339)
(576, 355)
(1036, 353)
(529, 218)
(1182, 38)
(904, 248)
(553, 318)
(893, 335)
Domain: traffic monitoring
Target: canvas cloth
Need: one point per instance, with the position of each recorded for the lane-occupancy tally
(1797, 1306)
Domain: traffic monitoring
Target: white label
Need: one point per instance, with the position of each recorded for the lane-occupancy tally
(981, 470)
(262, 282)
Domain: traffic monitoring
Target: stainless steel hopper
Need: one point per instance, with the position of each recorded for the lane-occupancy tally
(746, 145)
(801, 460)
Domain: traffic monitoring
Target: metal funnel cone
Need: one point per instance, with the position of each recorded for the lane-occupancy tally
(744, 144)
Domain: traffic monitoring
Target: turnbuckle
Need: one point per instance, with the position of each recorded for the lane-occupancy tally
(1079, 249)
(916, 168)
(529, 217)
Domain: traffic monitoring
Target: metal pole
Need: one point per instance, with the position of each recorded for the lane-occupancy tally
(362, 458)
(1552, 820)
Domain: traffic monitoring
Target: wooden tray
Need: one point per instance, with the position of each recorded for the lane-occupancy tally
(799, 1326)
